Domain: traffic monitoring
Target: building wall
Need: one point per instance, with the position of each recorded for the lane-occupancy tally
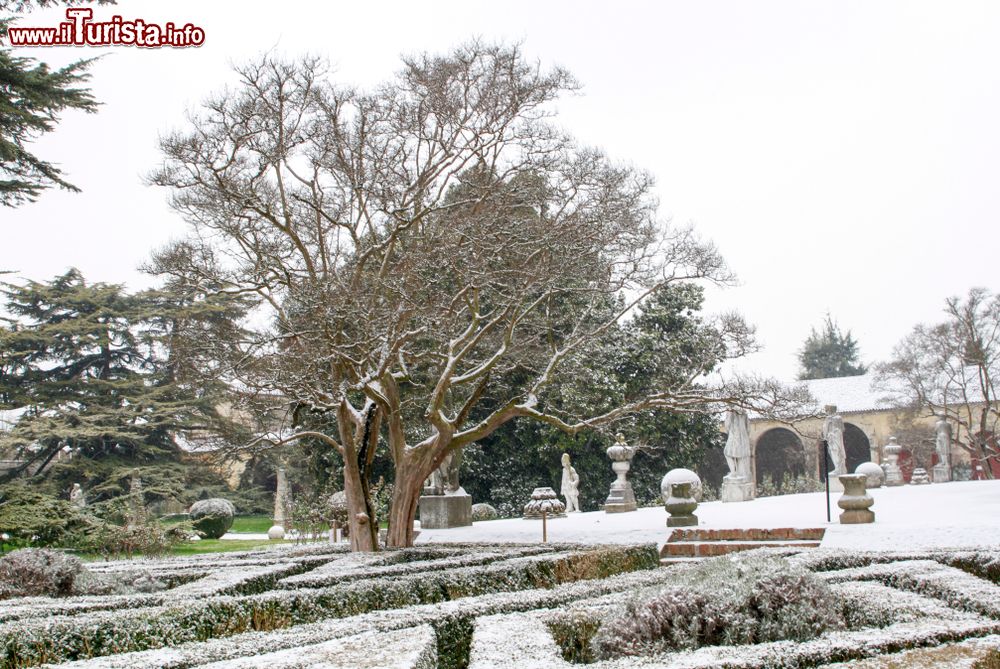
(877, 425)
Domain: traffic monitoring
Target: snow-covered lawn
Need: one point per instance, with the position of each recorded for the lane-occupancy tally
(943, 515)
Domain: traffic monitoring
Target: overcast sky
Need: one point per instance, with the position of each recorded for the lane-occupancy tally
(842, 155)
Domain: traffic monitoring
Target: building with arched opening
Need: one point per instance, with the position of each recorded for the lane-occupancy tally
(870, 419)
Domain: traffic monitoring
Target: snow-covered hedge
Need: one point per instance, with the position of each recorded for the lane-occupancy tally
(886, 607)
(33, 641)
(452, 621)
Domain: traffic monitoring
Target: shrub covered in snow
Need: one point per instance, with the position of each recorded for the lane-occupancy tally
(212, 517)
(724, 601)
(38, 571)
(484, 511)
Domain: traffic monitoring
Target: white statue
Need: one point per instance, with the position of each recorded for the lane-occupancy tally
(76, 496)
(942, 442)
(737, 449)
(570, 485)
(833, 432)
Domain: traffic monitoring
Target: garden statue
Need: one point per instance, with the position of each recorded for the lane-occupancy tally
(570, 488)
(942, 445)
(833, 433)
(737, 486)
(76, 496)
(444, 503)
(444, 479)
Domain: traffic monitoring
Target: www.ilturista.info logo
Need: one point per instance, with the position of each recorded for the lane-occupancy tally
(82, 30)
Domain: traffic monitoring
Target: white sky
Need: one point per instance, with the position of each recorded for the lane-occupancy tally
(842, 155)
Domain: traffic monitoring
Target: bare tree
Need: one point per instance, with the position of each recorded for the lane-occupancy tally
(432, 256)
(952, 369)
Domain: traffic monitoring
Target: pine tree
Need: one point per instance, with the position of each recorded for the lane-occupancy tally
(100, 373)
(31, 98)
(829, 353)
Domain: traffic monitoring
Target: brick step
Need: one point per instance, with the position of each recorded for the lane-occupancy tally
(711, 549)
(752, 534)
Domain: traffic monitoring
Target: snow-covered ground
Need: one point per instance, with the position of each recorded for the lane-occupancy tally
(943, 515)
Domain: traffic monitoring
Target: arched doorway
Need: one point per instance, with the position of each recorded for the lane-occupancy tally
(778, 455)
(857, 447)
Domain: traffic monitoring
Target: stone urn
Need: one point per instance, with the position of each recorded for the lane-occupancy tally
(855, 501)
(893, 474)
(544, 499)
(621, 498)
(681, 505)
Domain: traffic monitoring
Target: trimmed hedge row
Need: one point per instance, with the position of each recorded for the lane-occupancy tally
(67, 638)
(451, 620)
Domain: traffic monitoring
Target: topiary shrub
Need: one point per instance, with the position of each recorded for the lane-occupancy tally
(32, 572)
(212, 517)
(483, 511)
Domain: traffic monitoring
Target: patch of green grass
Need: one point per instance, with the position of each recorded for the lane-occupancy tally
(219, 546)
(251, 524)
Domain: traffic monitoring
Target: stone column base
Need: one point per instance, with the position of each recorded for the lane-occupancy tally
(941, 473)
(856, 517)
(620, 501)
(440, 512)
(736, 489)
(682, 521)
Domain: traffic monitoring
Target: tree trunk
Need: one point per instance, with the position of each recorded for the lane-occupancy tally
(362, 527)
(361, 520)
(411, 471)
(406, 490)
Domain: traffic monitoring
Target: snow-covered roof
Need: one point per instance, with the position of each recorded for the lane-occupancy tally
(854, 393)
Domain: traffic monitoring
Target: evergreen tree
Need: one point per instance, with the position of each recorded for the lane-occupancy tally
(31, 98)
(829, 353)
(96, 373)
(668, 339)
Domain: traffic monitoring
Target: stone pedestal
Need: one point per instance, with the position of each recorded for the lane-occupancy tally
(736, 489)
(440, 512)
(620, 500)
(681, 505)
(855, 501)
(919, 477)
(941, 473)
(893, 474)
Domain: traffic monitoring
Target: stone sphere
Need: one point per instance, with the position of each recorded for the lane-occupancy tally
(212, 517)
(276, 532)
(681, 476)
(872, 472)
(483, 511)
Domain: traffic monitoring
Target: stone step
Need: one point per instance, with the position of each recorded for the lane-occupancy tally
(670, 561)
(751, 534)
(712, 549)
